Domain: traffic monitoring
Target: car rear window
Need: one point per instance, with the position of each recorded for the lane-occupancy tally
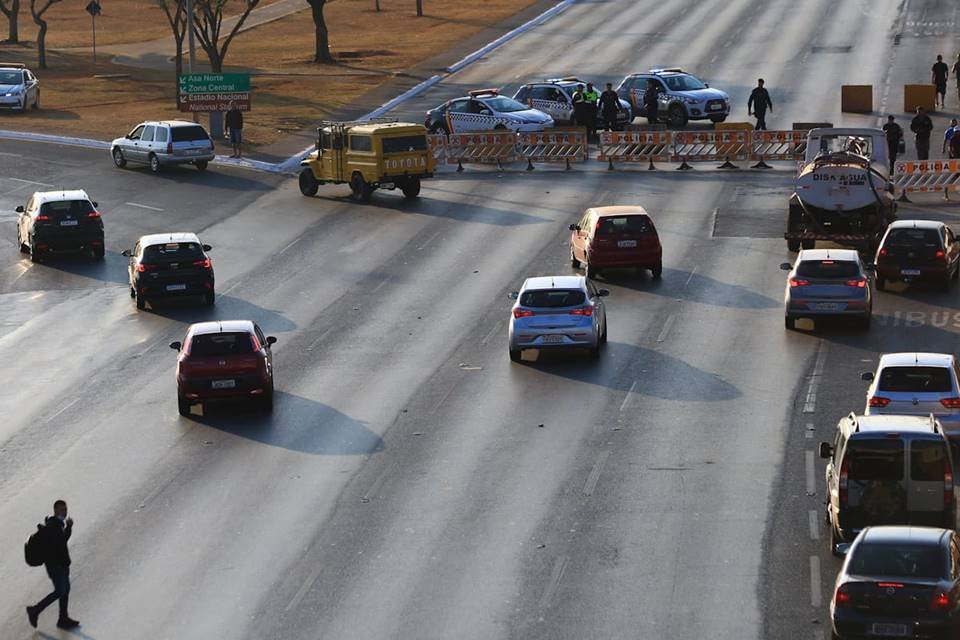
(906, 560)
(188, 134)
(875, 459)
(913, 238)
(927, 460)
(63, 208)
(221, 344)
(404, 144)
(631, 225)
(547, 298)
(828, 269)
(173, 252)
(915, 379)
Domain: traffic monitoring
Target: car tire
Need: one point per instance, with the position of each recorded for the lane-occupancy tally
(133, 293)
(834, 540)
(793, 246)
(500, 127)
(411, 188)
(881, 284)
(265, 403)
(36, 102)
(808, 244)
(594, 352)
(945, 285)
(590, 271)
(308, 183)
(141, 301)
(359, 188)
(183, 406)
(35, 254)
(118, 159)
(603, 336)
(515, 355)
(439, 128)
(23, 246)
(676, 116)
(657, 272)
(573, 260)
(154, 163)
(209, 299)
(864, 323)
(98, 253)
(201, 165)
(790, 324)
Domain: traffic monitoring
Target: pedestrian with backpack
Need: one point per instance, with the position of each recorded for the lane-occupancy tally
(50, 541)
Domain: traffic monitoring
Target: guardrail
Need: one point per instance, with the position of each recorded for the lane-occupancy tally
(926, 176)
(636, 146)
(553, 146)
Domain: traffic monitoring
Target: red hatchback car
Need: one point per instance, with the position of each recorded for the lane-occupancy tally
(918, 250)
(222, 360)
(615, 238)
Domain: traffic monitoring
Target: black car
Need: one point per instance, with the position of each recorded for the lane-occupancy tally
(900, 582)
(166, 265)
(60, 222)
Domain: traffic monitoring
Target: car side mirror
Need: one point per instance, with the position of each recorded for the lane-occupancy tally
(785, 266)
(126, 253)
(603, 293)
(867, 376)
(271, 340)
(207, 247)
(176, 346)
(842, 549)
(19, 209)
(826, 450)
(574, 227)
(706, 85)
(513, 295)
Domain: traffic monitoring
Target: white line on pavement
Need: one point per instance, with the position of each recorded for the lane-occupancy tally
(666, 327)
(428, 241)
(42, 184)
(814, 581)
(594, 476)
(555, 577)
(319, 338)
(814, 524)
(810, 471)
(630, 395)
(284, 250)
(378, 483)
(810, 404)
(67, 406)
(302, 591)
(493, 330)
(689, 277)
(143, 206)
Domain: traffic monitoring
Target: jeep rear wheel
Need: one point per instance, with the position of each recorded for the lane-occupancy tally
(411, 188)
(308, 183)
(677, 116)
(359, 188)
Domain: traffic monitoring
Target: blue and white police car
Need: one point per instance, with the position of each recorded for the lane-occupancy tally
(485, 110)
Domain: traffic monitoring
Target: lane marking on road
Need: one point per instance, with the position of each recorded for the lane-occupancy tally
(814, 581)
(319, 338)
(428, 241)
(810, 404)
(811, 470)
(594, 476)
(444, 398)
(14, 190)
(143, 206)
(814, 524)
(493, 330)
(150, 347)
(228, 289)
(42, 184)
(302, 591)
(383, 283)
(378, 483)
(559, 567)
(23, 272)
(64, 408)
(630, 396)
(809, 430)
(713, 222)
(11, 155)
(689, 277)
(666, 327)
(296, 240)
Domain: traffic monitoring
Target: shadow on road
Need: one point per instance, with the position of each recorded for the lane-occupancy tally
(682, 285)
(189, 310)
(296, 423)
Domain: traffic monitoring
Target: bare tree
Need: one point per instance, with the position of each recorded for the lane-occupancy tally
(207, 25)
(322, 54)
(42, 32)
(176, 12)
(11, 9)
(376, 5)
(419, 8)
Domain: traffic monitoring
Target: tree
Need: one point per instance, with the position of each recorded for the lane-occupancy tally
(11, 9)
(207, 24)
(42, 32)
(176, 12)
(419, 8)
(322, 54)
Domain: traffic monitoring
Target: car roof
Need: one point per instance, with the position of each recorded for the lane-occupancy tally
(827, 254)
(172, 123)
(221, 326)
(916, 224)
(60, 196)
(899, 423)
(892, 534)
(9, 67)
(911, 358)
(553, 282)
(620, 210)
(164, 238)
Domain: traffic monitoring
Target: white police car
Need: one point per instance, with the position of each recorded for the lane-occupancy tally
(485, 110)
(554, 96)
(19, 88)
(683, 97)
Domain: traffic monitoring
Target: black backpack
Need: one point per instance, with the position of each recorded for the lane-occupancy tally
(35, 550)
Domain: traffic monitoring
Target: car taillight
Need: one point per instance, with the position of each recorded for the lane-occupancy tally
(203, 264)
(254, 342)
(141, 267)
(93, 214)
(857, 283)
(841, 598)
(169, 147)
(940, 255)
(842, 481)
(941, 602)
(878, 401)
(947, 483)
(883, 253)
(950, 403)
(43, 218)
(796, 282)
(582, 311)
(522, 313)
(891, 585)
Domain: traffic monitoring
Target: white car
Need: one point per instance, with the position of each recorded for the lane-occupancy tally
(486, 110)
(19, 88)
(916, 384)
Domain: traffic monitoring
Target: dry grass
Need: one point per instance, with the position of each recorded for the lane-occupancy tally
(293, 93)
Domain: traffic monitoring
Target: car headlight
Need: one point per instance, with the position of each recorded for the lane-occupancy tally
(687, 100)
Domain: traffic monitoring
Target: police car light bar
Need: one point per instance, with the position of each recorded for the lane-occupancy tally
(668, 70)
(484, 92)
(12, 65)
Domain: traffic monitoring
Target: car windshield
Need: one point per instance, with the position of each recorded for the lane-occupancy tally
(915, 379)
(913, 238)
(683, 83)
(66, 208)
(404, 144)
(221, 344)
(633, 225)
(550, 298)
(875, 459)
(11, 77)
(828, 269)
(173, 252)
(505, 105)
(189, 134)
(906, 560)
(860, 145)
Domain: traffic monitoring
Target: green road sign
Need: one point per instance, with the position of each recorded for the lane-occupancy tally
(214, 83)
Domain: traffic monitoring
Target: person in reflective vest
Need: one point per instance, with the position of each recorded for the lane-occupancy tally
(579, 115)
(590, 98)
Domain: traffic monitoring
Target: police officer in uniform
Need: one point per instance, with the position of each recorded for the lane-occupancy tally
(579, 115)
(758, 103)
(922, 125)
(590, 98)
(650, 100)
(609, 106)
(894, 133)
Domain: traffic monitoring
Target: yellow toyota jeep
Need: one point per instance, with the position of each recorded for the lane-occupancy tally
(368, 155)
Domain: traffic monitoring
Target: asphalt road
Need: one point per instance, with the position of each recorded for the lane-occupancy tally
(411, 481)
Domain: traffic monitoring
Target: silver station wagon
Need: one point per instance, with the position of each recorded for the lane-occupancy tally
(159, 143)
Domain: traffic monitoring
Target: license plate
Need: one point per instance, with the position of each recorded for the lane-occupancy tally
(68, 223)
(223, 384)
(553, 339)
(909, 272)
(887, 629)
(627, 244)
(176, 287)
(827, 306)
(193, 152)
(715, 107)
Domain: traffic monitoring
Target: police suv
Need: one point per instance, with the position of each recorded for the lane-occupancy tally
(555, 97)
(485, 110)
(683, 97)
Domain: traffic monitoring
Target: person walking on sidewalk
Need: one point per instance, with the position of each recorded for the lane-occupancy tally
(948, 136)
(758, 103)
(938, 78)
(590, 98)
(894, 133)
(235, 128)
(609, 106)
(922, 125)
(57, 531)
